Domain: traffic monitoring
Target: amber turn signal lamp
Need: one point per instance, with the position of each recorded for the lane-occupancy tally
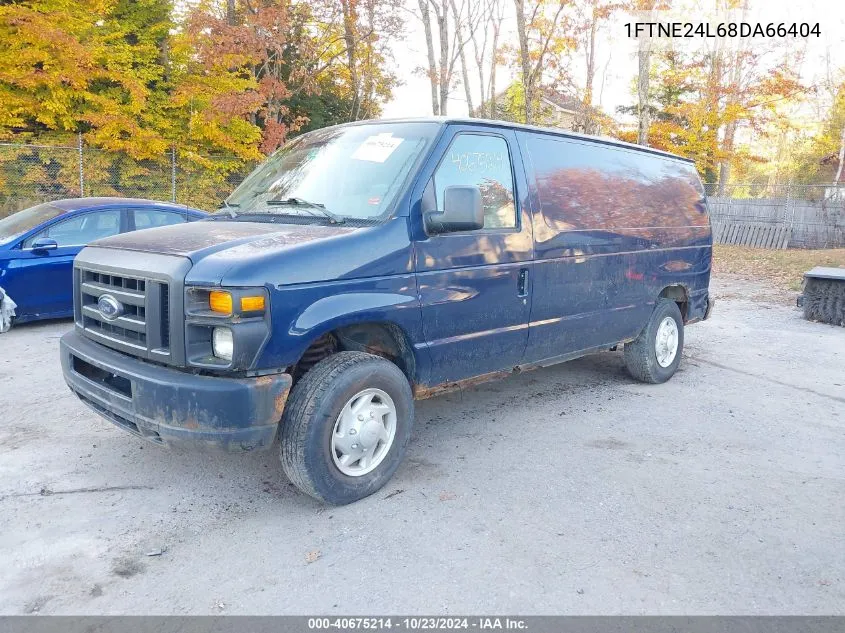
(220, 302)
(252, 304)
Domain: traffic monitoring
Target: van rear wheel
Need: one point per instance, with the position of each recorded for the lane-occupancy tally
(655, 354)
(346, 427)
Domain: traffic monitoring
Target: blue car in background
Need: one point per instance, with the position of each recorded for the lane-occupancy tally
(37, 246)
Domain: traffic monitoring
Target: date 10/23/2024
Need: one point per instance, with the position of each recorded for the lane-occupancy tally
(418, 623)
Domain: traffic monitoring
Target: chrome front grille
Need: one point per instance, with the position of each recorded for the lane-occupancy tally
(146, 316)
(143, 326)
(130, 327)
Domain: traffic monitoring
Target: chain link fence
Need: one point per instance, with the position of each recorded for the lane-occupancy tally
(815, 214)
(31, 174)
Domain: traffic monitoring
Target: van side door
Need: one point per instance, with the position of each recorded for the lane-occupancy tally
(571, 271)
(474, 286)
(615, 226)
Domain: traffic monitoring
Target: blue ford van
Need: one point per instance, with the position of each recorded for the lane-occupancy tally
(365, 265)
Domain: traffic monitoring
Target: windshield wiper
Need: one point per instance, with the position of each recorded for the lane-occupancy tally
(301, 202)
(230, 207)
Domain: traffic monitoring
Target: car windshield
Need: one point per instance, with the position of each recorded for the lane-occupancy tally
(22, 221)
(335, 174)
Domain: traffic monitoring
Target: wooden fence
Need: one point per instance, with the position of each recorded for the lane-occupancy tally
(798, 223)
(756, 234)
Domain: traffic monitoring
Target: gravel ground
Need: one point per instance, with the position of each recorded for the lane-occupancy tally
(570, 489)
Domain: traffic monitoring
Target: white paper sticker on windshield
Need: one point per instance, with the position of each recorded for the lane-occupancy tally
(377, 149)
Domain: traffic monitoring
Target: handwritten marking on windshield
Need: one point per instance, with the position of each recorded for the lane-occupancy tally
(477, 161)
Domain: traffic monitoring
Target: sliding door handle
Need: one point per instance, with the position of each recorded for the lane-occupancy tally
(522, 285)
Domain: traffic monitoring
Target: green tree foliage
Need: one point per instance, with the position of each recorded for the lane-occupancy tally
(698, 102)
(92, 66)
(821, 157)
(223, 84)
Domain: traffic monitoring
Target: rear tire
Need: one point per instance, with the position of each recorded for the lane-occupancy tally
(345, 406)
(654, 356)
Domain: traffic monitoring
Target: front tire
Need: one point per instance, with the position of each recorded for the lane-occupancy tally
(346, 427)
(654, 356)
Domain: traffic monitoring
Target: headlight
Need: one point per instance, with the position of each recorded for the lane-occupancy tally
(222, 344)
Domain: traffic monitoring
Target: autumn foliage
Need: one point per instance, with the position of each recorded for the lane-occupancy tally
(221, 82)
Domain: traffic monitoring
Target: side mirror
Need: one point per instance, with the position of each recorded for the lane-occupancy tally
(462, 211)
(44, 244)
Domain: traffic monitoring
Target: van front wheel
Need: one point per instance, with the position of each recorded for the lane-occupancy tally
(655, 354)
(346, 427)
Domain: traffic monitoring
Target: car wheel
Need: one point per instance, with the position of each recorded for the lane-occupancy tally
(346, 427)
(655, 354)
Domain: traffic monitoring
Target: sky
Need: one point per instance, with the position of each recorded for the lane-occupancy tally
(616, 54)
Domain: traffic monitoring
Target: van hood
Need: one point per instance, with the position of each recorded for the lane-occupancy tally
(198, 240)
(259, 254)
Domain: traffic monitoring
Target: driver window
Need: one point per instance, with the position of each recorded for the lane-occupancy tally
(81, 229)
(482, 161)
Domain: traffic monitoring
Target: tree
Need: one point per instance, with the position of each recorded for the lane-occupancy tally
(217, 97)
(482, 28)
(282, 62)
(699, 100)
(221, 82)
(643, 77)
(644, 50)
(450, 47)
(591, 15)
(464, 24)
(496, 17)
(99, 71)
(96, 67)
(368, 26)
(822, 157)
(537, 27)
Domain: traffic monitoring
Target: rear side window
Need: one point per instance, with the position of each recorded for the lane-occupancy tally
(482, 161)
(81, 229)
(149, 218)
(590, 186)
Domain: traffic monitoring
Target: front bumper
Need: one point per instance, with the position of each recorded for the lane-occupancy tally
(173, 407)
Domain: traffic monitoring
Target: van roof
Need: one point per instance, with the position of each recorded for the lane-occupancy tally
(529, 128)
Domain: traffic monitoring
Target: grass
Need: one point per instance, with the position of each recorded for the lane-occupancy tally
(785, 269)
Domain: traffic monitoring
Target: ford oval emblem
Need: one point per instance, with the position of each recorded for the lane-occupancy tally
(109, 307)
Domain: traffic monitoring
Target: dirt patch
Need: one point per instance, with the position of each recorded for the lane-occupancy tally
(127, 567)
(610, 443)
(783, 269)
(35, 606)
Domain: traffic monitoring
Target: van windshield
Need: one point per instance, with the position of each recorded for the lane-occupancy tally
(337, 174)
(22, 221)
